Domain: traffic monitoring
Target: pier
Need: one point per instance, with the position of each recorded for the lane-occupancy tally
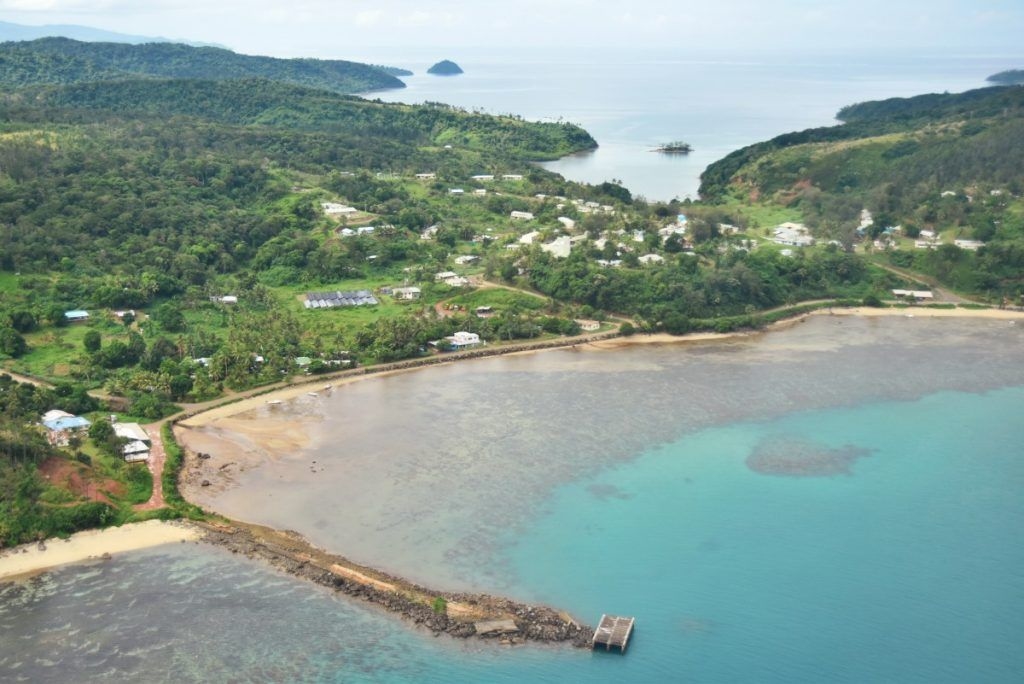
(613, 632)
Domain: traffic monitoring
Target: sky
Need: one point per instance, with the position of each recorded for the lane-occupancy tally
(340, 28)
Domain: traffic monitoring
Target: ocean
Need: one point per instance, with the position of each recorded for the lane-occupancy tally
(632, 102)
(837, 501)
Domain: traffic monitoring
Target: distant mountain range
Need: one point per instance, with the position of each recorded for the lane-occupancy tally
(10, 31)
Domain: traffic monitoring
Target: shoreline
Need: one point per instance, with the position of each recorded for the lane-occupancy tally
(599, 342)
(465, 614)
(28, 560)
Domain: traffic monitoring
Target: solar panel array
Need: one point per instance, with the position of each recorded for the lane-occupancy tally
(330, 300)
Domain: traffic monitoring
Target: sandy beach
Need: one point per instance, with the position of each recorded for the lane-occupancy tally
(30, 559)
(924, 312)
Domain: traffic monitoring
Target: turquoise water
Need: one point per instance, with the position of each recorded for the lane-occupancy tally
(908, 567)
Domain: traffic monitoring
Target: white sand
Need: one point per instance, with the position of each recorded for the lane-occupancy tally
(28, 559)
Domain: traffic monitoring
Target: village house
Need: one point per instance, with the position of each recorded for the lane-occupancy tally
(463, 340)
(61, 425)
(512, 177)
(567, 222)
(559, 248)
(972, 245)
(482, 177)
(76, 316)
(792, 234)
(466, 259)
(522, 215)
(588, 325)
(913, 295)
(456, 191)
(139, 441)
(335, 209)
(648, 259)
(224, 299)
(426, 176)
(406, 293)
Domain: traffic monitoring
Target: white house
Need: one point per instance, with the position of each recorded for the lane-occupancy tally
(335, 209)
(529, 237)
(406, 293)
(483, 177)
(915, 295)
(456, 191)
(224, 299)
(76, 316)
(466, 259)
(523, 215)
(651, 259)
(559, 248)
(567, 222)
(426, 176)
(512, 176)
(972, 245)
(464, 340)
(793, 234)
(587, 325)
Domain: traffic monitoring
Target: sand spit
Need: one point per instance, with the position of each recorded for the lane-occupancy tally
(31, 559)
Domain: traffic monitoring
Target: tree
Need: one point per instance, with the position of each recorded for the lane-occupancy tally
(92, 341)
(12, 343)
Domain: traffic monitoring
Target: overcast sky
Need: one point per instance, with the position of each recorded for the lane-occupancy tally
(339, 28)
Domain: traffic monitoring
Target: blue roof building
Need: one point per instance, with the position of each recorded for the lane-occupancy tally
(76, 315)
(67, 423)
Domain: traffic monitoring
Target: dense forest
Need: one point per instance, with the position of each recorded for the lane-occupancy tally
(65, 61)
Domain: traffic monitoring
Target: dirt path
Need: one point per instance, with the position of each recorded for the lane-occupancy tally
(941, 294)
(157, 456)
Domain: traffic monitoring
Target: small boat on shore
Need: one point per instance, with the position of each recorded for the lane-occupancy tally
(313, 394)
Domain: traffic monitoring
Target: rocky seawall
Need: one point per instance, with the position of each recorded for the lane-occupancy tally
(461, 615)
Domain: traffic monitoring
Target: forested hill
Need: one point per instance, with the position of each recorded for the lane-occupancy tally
(971, 137)
(361, 123)
(65, 61)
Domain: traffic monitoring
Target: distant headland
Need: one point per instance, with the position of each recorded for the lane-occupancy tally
(445, 67)
(1009, 77)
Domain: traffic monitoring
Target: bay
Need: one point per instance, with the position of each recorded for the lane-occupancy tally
(633, 101)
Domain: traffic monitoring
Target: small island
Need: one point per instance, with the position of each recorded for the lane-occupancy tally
(674, 147)
(445, 67)
(1009, 77)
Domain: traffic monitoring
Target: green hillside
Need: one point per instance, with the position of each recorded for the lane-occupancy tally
(947, 164)
(65, 61)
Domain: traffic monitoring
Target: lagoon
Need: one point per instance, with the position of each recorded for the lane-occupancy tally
(838, 500)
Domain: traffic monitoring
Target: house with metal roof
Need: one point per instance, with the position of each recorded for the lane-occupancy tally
(76, 316)
(60, 426)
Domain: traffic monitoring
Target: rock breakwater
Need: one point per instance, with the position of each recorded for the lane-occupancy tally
(461, 615)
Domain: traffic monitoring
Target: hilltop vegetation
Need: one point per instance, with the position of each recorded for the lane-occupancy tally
(948, 164)
(50, 61)
(1009, 77)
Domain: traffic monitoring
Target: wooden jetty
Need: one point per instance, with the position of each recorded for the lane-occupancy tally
(613, 632)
